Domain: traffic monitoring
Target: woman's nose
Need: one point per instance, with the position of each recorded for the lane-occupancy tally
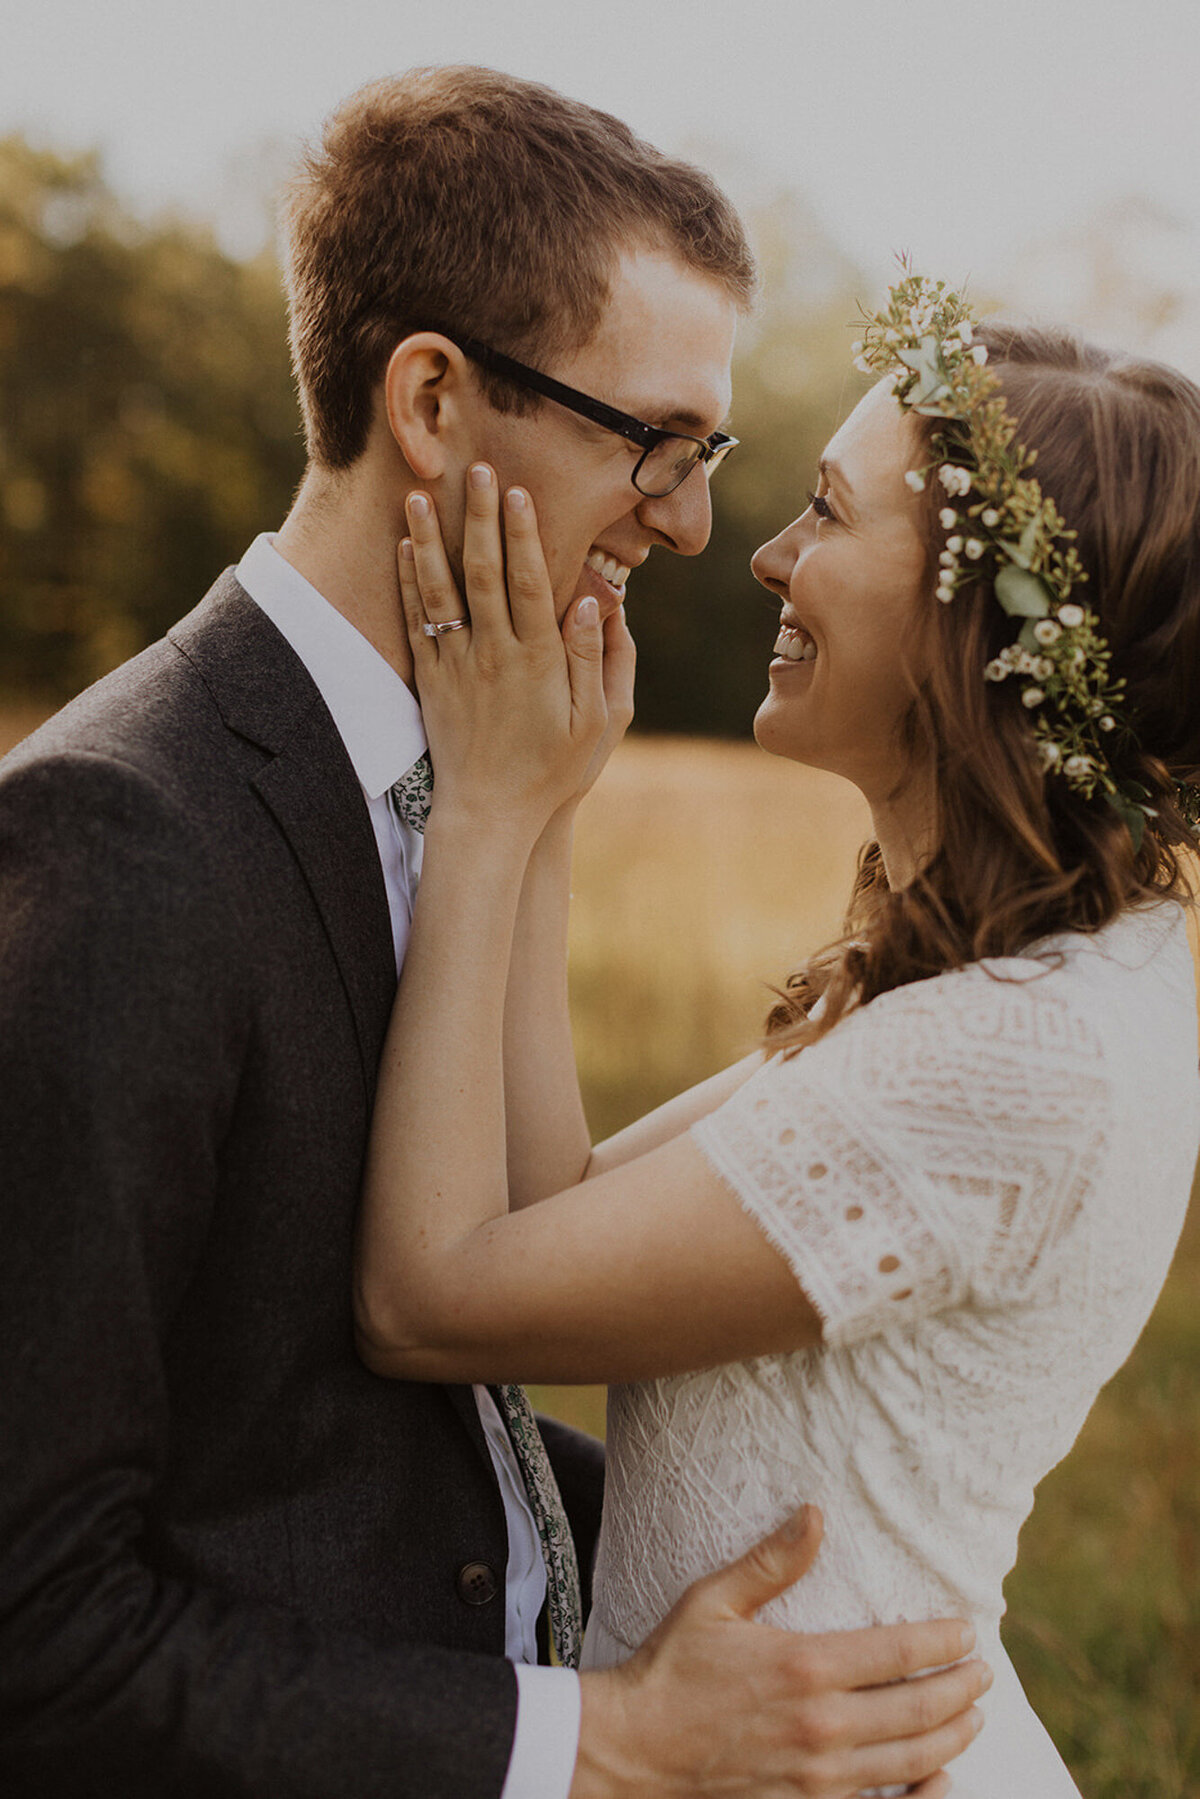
(772, 563)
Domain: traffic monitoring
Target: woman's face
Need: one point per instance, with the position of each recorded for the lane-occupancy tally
(851, 572)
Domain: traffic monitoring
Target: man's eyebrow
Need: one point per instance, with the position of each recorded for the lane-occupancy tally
(678, 418)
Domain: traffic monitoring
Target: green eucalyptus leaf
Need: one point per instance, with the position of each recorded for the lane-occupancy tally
(1022, 594)
(1022, 553)
(1028, 640)
(926, 364)
(1133, 816)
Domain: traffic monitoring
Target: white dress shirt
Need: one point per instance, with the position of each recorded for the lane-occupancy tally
(379, 721)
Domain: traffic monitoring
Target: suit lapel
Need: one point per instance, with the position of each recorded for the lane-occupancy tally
(305, 778)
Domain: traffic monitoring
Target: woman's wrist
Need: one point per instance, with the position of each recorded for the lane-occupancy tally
(469, 829)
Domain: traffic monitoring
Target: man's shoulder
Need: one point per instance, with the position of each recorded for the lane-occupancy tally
(224, 667)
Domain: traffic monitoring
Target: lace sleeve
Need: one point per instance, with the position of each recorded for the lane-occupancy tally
(934, 1146)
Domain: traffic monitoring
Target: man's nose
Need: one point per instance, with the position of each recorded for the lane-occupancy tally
(681, 521)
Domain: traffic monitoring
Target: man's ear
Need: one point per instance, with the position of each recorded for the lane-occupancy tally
(425, 389)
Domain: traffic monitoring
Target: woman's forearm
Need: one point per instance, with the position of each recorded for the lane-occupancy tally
(436, 1160)
(548, 1139)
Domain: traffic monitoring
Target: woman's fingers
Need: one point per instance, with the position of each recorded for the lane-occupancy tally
(422, 645)
(530, 598)
(483, 554)
(440, 597)
(583, 640)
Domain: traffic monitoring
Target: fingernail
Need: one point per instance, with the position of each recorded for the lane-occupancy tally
(589, 612)
(418, 505)
(515, 500)
(968, 1639)
(406, 549)
(480, 475)
(977, 1722)
(988, 1677)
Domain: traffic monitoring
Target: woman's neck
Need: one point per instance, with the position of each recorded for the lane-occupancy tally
(904, 830)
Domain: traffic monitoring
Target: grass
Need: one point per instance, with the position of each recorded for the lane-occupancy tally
(703, 872)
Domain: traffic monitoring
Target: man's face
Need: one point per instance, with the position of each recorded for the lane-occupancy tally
(662, 352)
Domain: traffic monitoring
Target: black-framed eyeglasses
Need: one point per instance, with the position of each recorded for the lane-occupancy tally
(668, 457)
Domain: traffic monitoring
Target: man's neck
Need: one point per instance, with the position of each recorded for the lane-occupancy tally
(341, 535)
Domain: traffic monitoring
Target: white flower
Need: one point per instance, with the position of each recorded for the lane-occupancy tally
(945, 592)
(974, 549)
(857, 347)
(1077, 765)
(891, 335)
(967, 331)
(915, 480)
(1108, 722)
(862, 365)
(996, 670)
(952, 345)
(1071, 616)
(1047, 631)
(947, 518)
(954, 479)
(1032, 696)
(979, 355)
(1011, 656)
(954, 544)
(1043, 668)
(991, 518)
(1050, 754)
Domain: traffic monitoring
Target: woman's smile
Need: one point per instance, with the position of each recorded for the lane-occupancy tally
(795, 644)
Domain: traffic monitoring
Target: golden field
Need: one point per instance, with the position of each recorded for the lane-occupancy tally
(703, 872)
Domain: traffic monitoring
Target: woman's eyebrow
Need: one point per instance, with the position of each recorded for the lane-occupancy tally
(834, 471)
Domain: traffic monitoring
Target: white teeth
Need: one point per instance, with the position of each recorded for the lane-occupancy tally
(795, 645)
(614, 572)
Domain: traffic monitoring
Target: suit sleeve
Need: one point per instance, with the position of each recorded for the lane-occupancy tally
(119, 1054)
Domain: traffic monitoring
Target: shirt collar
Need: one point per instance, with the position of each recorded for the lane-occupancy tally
(377, 717)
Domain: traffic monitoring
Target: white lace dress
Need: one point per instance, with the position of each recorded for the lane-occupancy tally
(979, 1181)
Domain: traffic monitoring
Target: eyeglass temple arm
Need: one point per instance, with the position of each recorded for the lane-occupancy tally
(647, 436)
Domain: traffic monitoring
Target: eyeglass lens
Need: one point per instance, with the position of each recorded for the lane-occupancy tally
(667, 464)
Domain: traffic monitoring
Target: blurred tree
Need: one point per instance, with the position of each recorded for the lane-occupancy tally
(147, 422)
(148, 429)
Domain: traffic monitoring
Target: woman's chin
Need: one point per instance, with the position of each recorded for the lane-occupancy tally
(777, 734)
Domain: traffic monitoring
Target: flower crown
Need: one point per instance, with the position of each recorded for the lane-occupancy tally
(999, 524)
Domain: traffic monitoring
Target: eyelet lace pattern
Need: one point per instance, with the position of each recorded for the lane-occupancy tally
(979, 1181)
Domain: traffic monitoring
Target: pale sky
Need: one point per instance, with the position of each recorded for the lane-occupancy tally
(960, 132)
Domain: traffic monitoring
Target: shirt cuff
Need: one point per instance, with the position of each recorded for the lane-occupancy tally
(546, 1742)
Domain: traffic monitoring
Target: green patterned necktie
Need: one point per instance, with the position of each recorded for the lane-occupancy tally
(412, 796)
(549, 1514)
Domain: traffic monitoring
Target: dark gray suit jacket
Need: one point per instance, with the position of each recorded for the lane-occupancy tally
(229, 1555)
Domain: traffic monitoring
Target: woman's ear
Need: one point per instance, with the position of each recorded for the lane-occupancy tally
(424, 388)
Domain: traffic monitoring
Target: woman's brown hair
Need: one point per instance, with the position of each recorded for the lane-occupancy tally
(1017, 853)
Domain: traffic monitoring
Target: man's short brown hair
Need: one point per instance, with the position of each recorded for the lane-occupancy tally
(466, 200)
